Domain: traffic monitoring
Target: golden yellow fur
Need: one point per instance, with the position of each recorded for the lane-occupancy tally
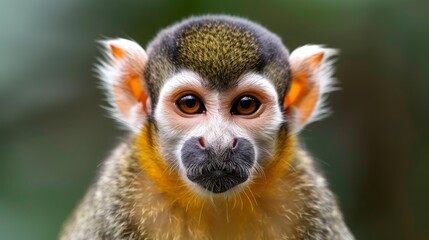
(139, 197)
(258, 211)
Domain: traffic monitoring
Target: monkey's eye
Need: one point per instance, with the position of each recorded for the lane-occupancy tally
(190, 104)
(245, 105)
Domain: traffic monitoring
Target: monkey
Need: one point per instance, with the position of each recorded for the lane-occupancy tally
(213, 109)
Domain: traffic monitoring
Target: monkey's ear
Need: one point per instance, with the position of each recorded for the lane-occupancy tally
(311, 70)
(122, 74)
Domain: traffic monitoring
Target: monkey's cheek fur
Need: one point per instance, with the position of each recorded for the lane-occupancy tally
(218, 170)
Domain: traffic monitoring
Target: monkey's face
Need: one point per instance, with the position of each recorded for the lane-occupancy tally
(217, 139)
(217, 90)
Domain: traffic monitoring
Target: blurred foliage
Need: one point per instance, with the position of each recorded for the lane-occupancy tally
(373, 149)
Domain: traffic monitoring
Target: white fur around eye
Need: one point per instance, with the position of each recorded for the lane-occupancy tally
(265, 129)
(217, 126)
(171, 134)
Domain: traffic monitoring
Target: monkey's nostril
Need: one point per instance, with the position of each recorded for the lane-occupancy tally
(234, 143)
(202, 143)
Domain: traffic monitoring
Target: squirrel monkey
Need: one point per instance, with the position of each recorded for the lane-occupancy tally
(214, 108)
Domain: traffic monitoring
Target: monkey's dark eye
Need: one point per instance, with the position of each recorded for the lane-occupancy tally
(245, 105)
(190, 104)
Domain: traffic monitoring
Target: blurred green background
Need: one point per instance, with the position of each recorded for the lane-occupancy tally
(373, 148)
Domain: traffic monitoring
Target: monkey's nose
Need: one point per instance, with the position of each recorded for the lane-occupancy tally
(234, 143)
(201, 142)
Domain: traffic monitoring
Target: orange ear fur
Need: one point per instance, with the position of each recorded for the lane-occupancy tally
(121, 74)
(116, 52)
(311, 79)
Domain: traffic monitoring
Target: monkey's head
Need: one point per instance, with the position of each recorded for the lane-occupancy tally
(221, 94)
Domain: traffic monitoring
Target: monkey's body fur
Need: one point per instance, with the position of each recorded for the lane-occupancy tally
(149, 189)
(126, 203)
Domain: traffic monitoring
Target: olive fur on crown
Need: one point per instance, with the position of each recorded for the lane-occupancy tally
(220, 49)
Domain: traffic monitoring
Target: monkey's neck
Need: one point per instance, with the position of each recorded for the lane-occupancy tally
(289, 204)
(297, 205)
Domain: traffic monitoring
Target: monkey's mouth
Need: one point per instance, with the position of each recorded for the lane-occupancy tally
(218, 170)
(218, 180)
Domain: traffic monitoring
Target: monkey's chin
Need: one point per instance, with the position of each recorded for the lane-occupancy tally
(218, 181)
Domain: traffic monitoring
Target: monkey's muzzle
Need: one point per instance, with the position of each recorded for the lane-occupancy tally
(218, 170)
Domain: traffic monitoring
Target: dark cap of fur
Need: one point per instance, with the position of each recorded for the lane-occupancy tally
(220, 49)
